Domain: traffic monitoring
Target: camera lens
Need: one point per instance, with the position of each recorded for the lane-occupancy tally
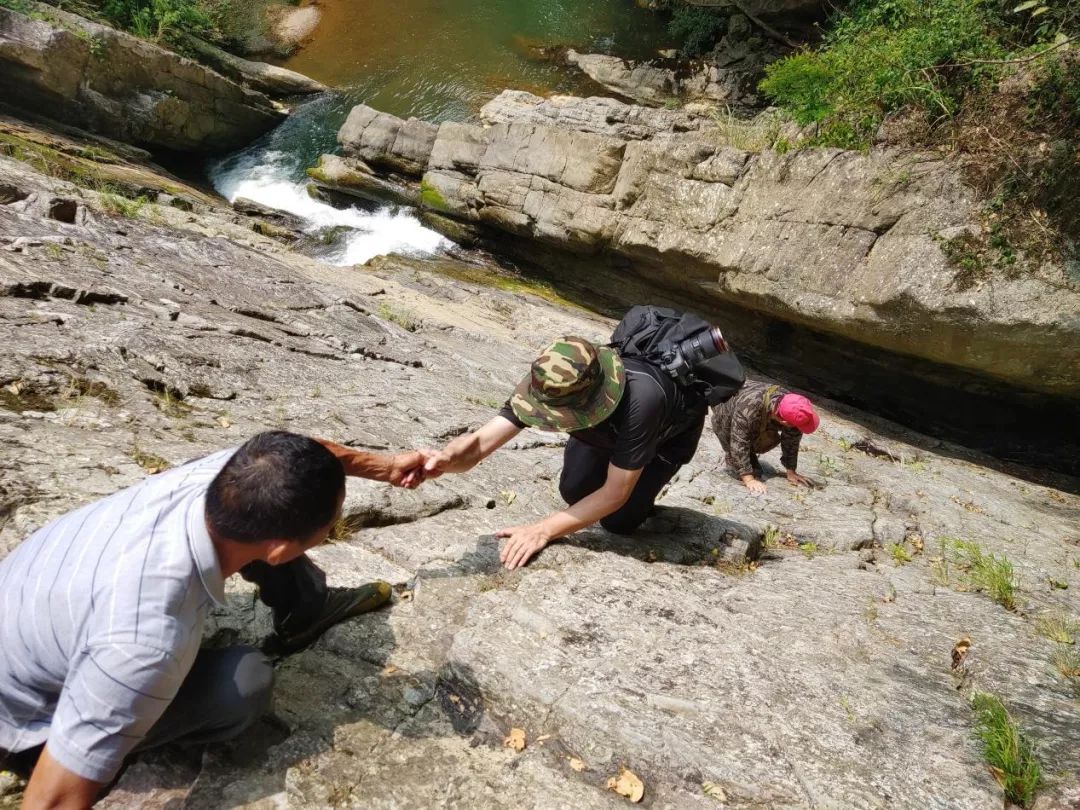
(718, 339)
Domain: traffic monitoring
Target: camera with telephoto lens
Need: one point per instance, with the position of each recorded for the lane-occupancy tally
(680, 359)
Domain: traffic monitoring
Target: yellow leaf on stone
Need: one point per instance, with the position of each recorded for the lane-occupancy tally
(714, 791)
(576, 764)
(224, 421)
(627, 784)
(516, 740)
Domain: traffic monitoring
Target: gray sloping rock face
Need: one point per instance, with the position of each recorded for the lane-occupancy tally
(110, 82)
(820, 678)
(844, 242)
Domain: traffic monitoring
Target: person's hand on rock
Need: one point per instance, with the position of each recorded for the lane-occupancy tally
(798, 480)
(521, 544)
(757, 488)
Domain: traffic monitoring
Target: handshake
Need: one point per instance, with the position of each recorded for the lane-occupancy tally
(410, 469)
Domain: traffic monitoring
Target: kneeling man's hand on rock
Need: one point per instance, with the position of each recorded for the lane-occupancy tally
(522, 542)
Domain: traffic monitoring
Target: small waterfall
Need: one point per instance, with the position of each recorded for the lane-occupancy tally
(271, 172)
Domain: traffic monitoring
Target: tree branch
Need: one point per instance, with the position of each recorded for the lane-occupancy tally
(771, 32)
(1021, 60)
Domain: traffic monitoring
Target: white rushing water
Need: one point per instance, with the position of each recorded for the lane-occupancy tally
(268, 174)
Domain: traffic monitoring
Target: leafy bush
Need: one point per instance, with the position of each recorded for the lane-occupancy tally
(698, 29)
(881, 56)
(156, 19)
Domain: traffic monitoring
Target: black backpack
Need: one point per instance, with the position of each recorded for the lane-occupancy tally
(654, 334)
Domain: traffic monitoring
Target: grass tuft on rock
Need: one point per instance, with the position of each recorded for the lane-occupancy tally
(1058, 626)
(1009, 753)
(981, 571)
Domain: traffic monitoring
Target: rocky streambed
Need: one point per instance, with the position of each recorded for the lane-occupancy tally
(794, 651)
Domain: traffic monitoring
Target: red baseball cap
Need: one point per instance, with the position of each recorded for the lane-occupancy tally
(796, 410)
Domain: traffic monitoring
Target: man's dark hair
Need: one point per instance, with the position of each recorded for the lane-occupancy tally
(277, 484)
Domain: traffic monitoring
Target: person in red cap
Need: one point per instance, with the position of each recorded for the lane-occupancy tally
(757, 419)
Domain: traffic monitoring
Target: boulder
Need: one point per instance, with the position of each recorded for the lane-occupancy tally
(126, 88)
(641, 82)
(277, 82)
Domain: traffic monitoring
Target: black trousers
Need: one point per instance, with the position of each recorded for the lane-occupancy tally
(585, 469)
(295, 591)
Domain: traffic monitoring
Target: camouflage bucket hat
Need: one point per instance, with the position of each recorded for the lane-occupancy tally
(572, 385)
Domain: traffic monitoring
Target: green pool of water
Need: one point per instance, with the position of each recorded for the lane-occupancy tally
(442, 59)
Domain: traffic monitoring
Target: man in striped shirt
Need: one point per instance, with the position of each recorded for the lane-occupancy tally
(103, 609)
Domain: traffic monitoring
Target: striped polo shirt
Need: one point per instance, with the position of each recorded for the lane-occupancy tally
(101, 616)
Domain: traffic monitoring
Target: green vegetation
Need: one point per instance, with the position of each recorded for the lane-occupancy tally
(898, 553)
(430, 196)
(1058, 627)
(403, 318)
(121, 206)
(150, 462)
(1010, 754)
(697, 28)
(883, 56)
(977, 570)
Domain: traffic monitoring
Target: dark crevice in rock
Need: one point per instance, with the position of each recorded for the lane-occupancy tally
(36, 290)
(63, 210)
(239, 331)
(10, 194)
(254, 313)
(313, 353)
(373, 355)
(373, 516)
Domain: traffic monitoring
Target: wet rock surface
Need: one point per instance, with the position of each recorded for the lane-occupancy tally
(777, 650)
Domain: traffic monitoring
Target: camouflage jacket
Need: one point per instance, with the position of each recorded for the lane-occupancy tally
(743, 426)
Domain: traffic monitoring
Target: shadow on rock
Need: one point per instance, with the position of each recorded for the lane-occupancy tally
(338, 696)
(675, 534)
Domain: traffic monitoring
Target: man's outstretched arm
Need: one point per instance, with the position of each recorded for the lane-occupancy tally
(465, 452)
(524, 541)
(54, 787)
(394, 469)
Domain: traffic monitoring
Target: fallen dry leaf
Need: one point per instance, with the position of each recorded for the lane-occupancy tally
(543, 737)
(509, 496)
(516, 740)
(224, 421)
(714, 791)
(959, 650)
(576, 764)
(627, 784)
(917, 543)
(389, 669)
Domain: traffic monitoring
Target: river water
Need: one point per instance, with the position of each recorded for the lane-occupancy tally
(439, 60)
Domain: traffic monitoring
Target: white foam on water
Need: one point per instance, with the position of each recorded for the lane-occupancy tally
(265, 178)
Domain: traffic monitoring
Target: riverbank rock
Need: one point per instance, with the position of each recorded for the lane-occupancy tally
(739, 651)
(640, 82)
(107, 81)
(849, 244)
(277, 82)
